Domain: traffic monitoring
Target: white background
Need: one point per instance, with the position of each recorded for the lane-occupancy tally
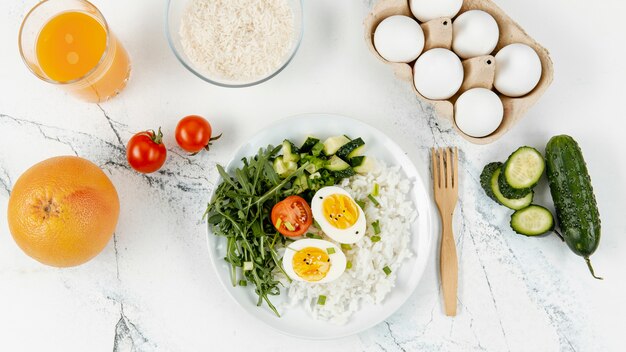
(153, 287)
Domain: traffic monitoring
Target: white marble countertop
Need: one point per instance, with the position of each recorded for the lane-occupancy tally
(153, 289)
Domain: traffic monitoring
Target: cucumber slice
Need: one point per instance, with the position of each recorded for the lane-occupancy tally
(485, 178)
(533, 220)
(523, 168)
(335, 163)
(509, 191)
(284, 168)
(332, 144)
(290, 152)
(349, 147)
(514, 204)
(367, 165)
(308, 144)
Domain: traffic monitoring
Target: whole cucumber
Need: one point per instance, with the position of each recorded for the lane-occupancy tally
(575, 203)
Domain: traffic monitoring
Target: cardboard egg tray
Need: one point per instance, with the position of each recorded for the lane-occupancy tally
(479, 71)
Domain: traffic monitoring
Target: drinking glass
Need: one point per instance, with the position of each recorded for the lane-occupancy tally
(102, 81)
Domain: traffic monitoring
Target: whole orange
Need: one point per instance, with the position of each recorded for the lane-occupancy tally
(63, 211)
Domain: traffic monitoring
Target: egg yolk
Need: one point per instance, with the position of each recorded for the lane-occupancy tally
(311, 264)
(340, 211)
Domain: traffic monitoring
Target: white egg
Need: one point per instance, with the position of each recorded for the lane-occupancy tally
(478, 112)
(426, 10)
(399, 39)
(475, 33)
(338, 215)
(518, 70)
(438, 74)
(313, 260)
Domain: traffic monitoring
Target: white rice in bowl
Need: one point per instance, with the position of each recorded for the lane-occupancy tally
(365, 282)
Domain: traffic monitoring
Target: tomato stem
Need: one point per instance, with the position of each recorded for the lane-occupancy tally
(212, 139)
(157, 137)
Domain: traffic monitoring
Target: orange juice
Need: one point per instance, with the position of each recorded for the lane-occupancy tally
(76, 49)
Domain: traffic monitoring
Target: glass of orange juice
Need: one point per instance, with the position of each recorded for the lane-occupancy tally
(68, 43)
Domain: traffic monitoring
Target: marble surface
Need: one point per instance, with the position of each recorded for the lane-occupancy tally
(152, 288)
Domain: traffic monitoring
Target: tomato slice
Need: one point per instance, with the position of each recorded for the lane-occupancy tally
(292, 215)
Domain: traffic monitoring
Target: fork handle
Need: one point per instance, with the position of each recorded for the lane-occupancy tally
(449, 266)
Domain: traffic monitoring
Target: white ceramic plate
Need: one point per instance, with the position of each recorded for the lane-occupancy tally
(296, 321)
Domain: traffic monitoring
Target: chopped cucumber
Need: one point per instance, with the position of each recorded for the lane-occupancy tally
(308, 144)
(290, 152)
(349, 147)
(301, 183)
(317, 149)
(284, 168)
(366, 166)
(357, 152)
(344, 173)
(332, 144)
(335, 163)
(533, 220)
(514, 204)
(523, 168)
(357, 161)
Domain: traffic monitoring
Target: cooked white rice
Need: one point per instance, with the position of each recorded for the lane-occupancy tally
(365, 282)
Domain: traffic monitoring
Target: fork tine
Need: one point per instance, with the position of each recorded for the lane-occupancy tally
(456, 167)
(442, 170)
(449, 178)
(435, 171)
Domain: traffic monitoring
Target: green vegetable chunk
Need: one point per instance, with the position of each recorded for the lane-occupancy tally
(321, 300)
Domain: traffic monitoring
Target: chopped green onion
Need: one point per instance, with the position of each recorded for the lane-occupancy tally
(330, 250)
(316, 224)
(278, 223)
(361, 203)
(387, 270)
(349, 265)
(376, 226)
(370, 197)
(289, 226)
(321, 300)
(375, 239)
(376, 190)
(247, 266)
(346, 247)
(243, 283)
(312, 235)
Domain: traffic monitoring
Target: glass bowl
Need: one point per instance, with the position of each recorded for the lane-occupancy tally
(175, 12)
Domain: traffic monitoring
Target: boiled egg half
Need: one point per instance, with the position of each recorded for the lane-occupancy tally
(338, 215)
(312, 260)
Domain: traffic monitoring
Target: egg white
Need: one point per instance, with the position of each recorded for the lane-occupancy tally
(337, 260)
(348, 236)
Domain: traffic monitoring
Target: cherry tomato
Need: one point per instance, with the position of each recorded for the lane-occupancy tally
(146, 152)
(193, 133)
(294, 214)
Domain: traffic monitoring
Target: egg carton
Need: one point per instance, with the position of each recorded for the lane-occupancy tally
(479, 71)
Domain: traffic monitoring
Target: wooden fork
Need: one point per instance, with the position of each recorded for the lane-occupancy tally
(445, 183)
